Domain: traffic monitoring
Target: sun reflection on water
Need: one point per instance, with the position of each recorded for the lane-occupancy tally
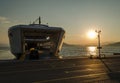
(92, 50)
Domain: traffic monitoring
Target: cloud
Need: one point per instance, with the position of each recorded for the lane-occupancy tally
(4, 20)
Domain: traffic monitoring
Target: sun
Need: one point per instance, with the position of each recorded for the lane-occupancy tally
(91, 34)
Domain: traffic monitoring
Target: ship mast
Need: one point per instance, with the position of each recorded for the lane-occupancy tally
(38, 19)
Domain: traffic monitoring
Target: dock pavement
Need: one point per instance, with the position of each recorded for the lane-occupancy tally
(66, 70)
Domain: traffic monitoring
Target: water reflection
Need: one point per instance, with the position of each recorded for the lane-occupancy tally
(92, 50)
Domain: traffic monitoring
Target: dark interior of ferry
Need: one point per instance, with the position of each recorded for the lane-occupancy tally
(41, 46)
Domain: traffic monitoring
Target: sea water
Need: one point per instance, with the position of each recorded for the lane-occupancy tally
(88, 50)
(73, 50)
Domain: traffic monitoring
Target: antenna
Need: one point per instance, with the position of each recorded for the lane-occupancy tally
(38, 19)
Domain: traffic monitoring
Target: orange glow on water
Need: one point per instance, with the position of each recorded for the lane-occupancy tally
(92, 50)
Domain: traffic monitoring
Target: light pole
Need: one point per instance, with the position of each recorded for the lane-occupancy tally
(99, 46)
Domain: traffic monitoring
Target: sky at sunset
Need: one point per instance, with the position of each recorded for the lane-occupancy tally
(77, 17)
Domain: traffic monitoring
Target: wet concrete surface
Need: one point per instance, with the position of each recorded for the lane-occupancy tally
(74, 70)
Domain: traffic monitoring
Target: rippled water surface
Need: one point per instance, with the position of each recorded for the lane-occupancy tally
(72, 51)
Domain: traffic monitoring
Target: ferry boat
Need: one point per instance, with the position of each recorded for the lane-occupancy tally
(35, 41)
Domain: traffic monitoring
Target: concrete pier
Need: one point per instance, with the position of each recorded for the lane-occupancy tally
(72, 70)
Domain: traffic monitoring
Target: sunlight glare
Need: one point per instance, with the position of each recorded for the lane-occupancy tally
(91, 34)
(92, 50)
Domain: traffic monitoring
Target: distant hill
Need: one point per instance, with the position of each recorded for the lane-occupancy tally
(114, 44)
(65, 44)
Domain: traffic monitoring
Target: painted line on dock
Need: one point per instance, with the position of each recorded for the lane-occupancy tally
(45, 69)
(74, 77)
(89, 70)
